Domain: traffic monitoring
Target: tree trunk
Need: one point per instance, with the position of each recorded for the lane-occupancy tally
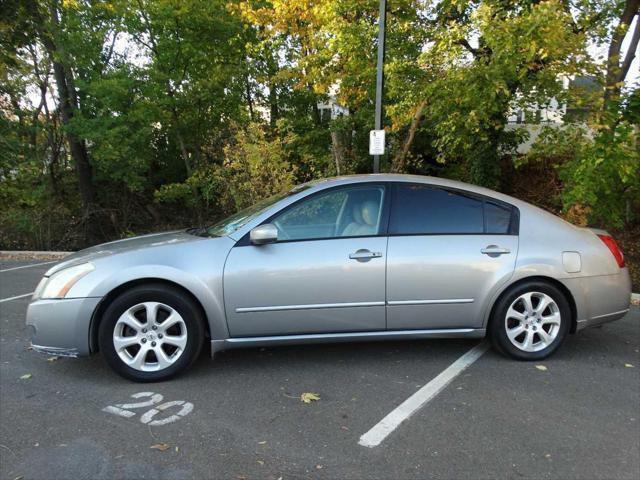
(249, 97)
(183, 148)
(77, 147)
(337, 149)
(67, 105)
(617, 70)
(274, 113)
(314, 106)
(485, 168)
(42, 85)
(397, 165)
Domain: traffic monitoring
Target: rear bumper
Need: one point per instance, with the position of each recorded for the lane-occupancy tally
(61, 327)
(600, 319)
(600, 299)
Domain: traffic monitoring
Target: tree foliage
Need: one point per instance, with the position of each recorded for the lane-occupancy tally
(599, 167)
(122, 116)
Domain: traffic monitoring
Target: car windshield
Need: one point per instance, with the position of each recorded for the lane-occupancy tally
(237, 220)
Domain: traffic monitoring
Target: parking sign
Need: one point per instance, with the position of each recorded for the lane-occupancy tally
(376, 142)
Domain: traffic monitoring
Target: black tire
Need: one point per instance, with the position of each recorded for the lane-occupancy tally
(174, 298)
(498, 327)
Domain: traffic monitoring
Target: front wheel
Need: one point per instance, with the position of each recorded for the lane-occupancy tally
(150, 333)
(531, 321)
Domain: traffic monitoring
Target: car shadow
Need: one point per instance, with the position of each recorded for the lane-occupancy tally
(332, 355)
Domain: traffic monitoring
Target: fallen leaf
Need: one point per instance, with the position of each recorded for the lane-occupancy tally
(52, 359)
(260, 462)
(160, 446)
(542, 368)
(26, 376)
(308, 397)
(628, 365)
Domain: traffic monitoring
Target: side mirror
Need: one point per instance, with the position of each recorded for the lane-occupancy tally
(262, 234)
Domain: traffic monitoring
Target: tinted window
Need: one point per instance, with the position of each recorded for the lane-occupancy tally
(428, 210)
(497, 218)
(348, 212)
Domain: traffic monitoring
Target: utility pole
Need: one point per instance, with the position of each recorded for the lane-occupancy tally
(377, 138)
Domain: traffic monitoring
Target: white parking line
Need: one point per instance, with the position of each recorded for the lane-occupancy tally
(27, 266)
(15, 298)
(416, 401)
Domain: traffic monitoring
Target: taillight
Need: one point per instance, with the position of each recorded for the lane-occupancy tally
(613, 247)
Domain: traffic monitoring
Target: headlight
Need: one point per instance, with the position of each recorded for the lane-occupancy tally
(59, 284)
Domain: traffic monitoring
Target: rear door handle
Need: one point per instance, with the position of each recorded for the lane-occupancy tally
(494, 250)
(364, 255)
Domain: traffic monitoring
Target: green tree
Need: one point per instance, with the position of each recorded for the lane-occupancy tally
(488, 58)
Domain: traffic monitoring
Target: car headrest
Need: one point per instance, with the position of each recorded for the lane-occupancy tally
(370, 212)
(357, 213)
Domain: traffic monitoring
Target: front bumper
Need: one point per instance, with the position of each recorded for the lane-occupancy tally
(61, 326)
(58, 352)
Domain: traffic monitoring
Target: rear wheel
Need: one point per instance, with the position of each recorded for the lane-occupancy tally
(531, 321)
(151, 333)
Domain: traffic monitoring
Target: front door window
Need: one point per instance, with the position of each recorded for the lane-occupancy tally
(340, 213)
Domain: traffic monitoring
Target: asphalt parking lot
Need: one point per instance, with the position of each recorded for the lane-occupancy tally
(240, 416)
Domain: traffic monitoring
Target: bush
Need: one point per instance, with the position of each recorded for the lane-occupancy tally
(600, 172)
(253, 168)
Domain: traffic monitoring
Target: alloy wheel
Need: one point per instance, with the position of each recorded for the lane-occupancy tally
(532, 321)
(150, 336)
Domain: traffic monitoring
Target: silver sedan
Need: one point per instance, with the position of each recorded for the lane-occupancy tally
(371, 257)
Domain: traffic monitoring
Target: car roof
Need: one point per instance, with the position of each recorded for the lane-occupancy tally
(309, 188)
(323, 183)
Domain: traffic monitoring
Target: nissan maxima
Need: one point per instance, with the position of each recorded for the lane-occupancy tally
(358, 258)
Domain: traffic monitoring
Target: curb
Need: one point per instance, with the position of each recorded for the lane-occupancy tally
(31, 255)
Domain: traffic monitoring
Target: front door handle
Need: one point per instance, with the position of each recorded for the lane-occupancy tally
(364, 255)
(494, 250)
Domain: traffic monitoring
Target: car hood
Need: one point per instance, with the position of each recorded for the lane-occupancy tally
(124, 246)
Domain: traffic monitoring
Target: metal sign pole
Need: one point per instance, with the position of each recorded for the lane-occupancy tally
(380, 76)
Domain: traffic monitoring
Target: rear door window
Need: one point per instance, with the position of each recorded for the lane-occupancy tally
(498, 218)
(422, 209)
(419, 209)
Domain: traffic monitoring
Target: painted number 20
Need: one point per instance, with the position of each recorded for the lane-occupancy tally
(124, 409)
